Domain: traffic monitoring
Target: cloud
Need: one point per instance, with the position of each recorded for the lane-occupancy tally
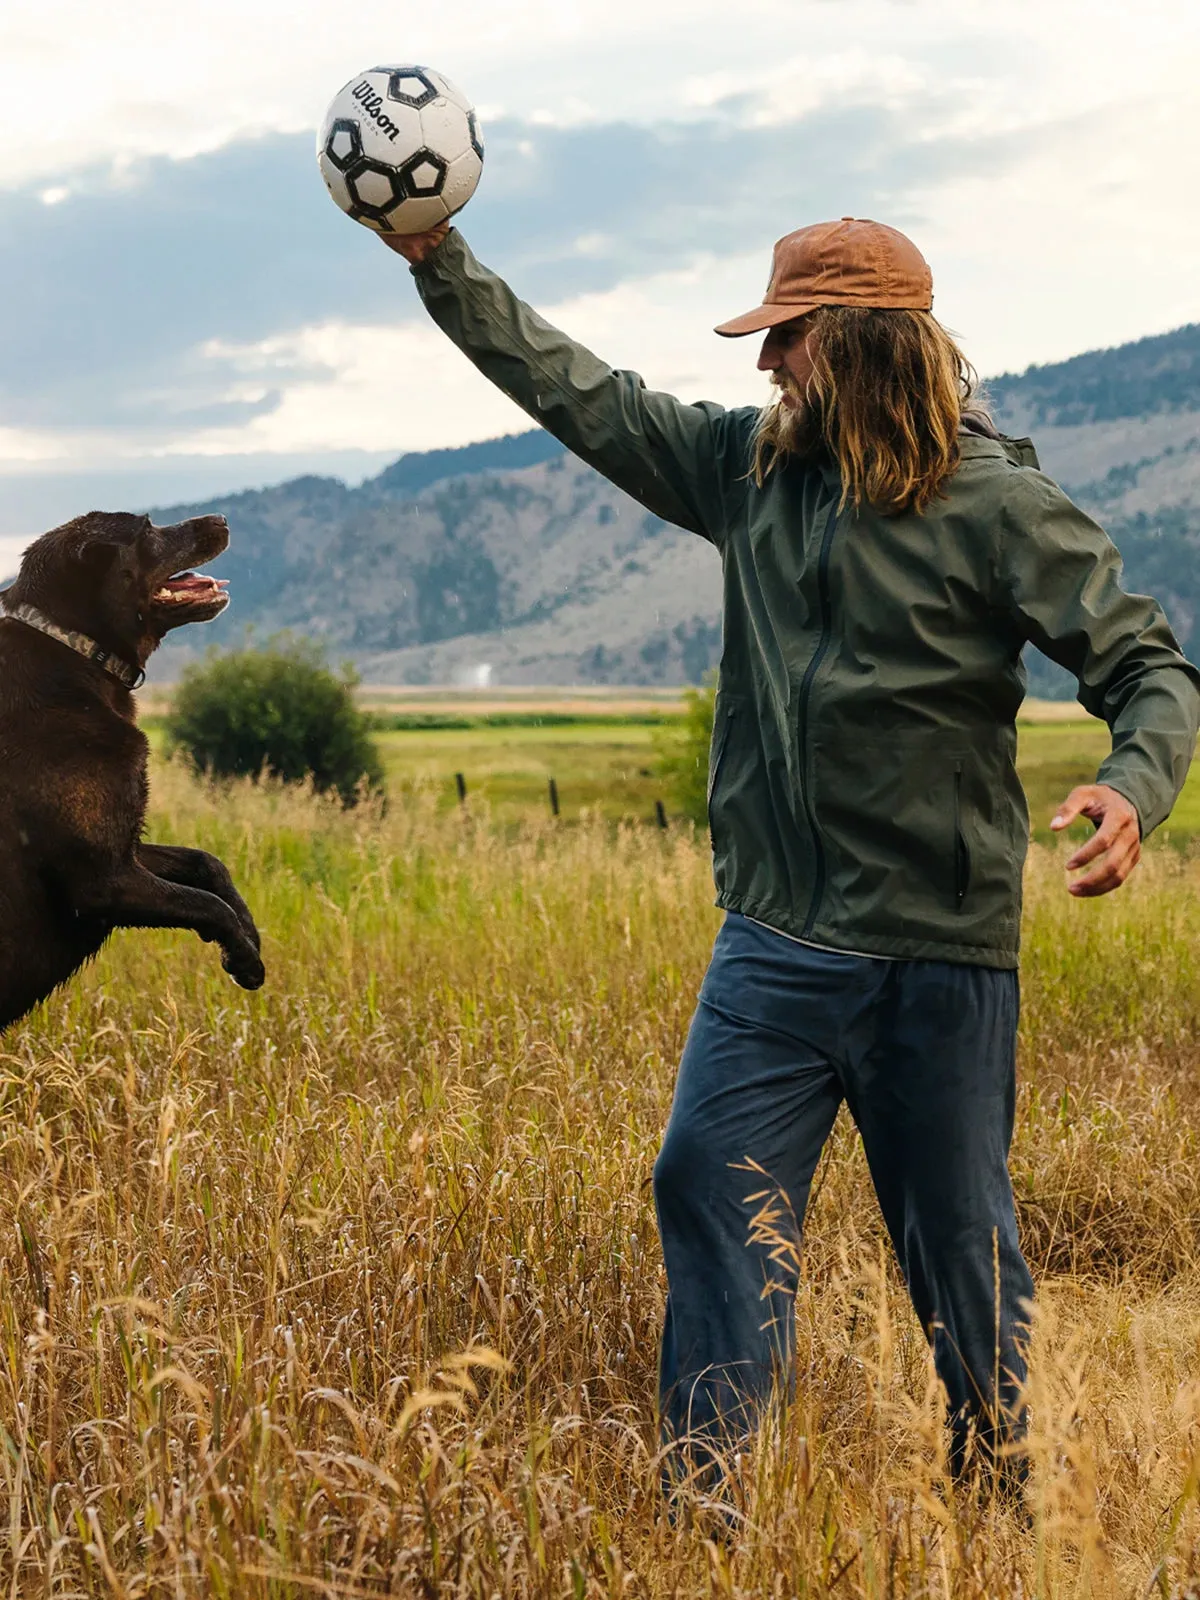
(141, 288)
(120, 284)
(169, 305)
(132, 77)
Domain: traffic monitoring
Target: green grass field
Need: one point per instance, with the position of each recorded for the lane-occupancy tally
(608, 764)
(605, 765)
(351, 1287)
(602, 752)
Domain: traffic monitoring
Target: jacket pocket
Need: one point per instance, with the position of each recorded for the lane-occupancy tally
(962, 851)
(723, 715)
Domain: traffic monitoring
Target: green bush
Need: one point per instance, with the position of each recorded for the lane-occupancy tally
(683, 753)
(278, 710)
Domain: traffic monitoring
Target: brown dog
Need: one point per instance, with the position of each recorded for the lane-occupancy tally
(93, 599)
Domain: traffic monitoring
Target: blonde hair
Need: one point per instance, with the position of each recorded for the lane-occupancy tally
(885, 402)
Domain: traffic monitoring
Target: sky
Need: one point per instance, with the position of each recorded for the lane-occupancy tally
(186, 312)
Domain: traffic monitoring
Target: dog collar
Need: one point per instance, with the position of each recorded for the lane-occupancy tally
(116, 666)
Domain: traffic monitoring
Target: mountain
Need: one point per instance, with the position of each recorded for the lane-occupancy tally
(510, 561)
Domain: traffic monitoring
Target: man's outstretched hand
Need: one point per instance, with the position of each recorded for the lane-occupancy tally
(1116, 846)
(414, 247)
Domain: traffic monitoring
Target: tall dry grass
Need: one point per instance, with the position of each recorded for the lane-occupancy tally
(352, 1287)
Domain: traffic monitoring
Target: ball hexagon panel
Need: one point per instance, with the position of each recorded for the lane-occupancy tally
(416, 216)
(344, 144)
(374, 188)
(444, 129)
(462, 176)
(411, 86)
(336, 184)
(393, 137)
(423, 174)
(450, 91)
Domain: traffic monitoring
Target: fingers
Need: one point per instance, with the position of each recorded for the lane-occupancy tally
(1115, 848)
(1105, 836)
(1110, 873)
(414, 247)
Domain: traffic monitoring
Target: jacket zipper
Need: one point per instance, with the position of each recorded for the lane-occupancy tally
(806, 685)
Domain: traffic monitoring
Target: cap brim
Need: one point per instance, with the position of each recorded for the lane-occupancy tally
(762, 318)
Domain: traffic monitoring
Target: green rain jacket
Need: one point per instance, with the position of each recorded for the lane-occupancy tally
(863, 792)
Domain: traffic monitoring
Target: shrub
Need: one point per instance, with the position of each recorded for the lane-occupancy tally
(278, 710)
(683, 753)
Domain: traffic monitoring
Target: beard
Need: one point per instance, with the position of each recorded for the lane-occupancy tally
(790, 425)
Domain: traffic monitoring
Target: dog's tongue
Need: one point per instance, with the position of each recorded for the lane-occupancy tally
(191, 586)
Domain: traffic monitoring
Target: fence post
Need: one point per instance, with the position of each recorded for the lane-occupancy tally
(660, 813)
(553, 798)
(460, 783)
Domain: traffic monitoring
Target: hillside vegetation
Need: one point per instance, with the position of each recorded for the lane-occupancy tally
(1140, 379)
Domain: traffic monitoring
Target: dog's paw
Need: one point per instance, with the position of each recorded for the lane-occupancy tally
(244, 967)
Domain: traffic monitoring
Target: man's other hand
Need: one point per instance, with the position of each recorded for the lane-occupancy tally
(1116, 846)
(414, 247)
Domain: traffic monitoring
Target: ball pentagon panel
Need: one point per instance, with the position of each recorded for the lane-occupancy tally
(375, 188)
(475, 134)
(343, 143)
(423, 174)
(411, 86)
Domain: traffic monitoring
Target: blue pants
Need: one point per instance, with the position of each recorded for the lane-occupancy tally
(923, 1053)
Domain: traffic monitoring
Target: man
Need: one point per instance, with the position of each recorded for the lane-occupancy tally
(886, 558)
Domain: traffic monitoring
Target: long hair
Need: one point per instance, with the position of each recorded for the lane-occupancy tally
(885, 402)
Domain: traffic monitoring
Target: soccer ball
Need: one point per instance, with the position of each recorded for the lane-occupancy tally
(400, 149)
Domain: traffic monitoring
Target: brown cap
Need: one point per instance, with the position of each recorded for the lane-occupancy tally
(846, 263)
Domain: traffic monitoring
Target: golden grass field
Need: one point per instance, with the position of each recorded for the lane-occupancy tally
(352, 1287)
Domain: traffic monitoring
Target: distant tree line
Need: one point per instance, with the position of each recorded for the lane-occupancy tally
(1136, 380)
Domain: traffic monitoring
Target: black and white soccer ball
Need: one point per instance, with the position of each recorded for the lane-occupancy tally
(400, 149)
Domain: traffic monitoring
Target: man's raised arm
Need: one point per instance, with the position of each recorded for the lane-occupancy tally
(685, 463)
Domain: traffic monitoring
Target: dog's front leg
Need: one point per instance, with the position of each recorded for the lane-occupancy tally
(135, 898)
(196, 869)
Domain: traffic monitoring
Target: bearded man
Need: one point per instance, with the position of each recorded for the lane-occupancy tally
(887, 556)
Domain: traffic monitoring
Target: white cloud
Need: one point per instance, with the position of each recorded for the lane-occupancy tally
(405, 387)
(1087, 235)
(1088, 242)
(31, 445)
(79, 80)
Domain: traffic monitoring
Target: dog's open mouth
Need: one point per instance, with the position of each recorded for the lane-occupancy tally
(191, 589)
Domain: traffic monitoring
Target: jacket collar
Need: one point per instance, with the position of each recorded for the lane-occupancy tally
(1020, 452)
(116, 666)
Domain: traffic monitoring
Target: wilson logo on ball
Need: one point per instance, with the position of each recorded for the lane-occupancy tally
(400, 149)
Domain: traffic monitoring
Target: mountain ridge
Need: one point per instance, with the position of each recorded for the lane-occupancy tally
(510, 560)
